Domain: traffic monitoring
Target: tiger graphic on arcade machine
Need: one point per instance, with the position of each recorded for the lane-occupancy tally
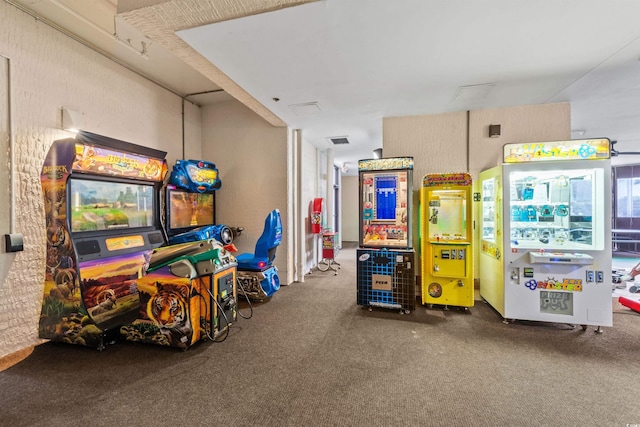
(167, 308)
(165, 317)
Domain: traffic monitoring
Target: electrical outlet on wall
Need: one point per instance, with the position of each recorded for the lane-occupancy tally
(13, 242)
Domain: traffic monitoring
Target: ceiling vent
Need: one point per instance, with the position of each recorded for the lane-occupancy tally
(305, 109)
(473, 92)
(339, 140)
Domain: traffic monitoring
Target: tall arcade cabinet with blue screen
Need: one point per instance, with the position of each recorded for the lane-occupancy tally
(385, 264)
(545, 233)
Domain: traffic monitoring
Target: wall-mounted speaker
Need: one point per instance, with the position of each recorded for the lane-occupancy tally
(494, 131)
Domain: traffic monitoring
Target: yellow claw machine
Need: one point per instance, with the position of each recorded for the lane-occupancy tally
(545, 224)
(447, 240)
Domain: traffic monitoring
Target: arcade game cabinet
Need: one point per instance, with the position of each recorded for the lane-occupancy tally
(385, 257)
(190, 217)
(108, 271)
(447, 245)
(101, 206)
(546, 249)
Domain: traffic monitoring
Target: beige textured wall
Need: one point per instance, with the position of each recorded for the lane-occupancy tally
(436, 142)
(251, 156)
(50, 70)
(528, 123)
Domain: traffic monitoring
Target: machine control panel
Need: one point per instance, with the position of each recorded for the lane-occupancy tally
(560, 258)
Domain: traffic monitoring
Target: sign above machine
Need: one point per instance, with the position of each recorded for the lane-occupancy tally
(389, 163)
(195, 175)
(579, 149)
(106, 161)
(438, 179)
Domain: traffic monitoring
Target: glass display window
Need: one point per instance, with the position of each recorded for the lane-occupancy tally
(447, 215)
(555, 209)
(385, 201)
(489, 210)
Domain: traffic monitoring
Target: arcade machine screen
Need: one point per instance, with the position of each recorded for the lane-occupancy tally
(188, 210)
(105, 205)
(386, 197)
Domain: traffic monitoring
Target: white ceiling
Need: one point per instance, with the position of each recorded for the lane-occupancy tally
(337, 67)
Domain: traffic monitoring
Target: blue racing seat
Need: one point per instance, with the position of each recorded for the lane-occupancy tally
(265, 251)
(256, 273)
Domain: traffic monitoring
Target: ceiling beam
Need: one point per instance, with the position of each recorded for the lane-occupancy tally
(160, 19)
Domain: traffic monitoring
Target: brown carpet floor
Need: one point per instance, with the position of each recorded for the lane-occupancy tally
(311, 357)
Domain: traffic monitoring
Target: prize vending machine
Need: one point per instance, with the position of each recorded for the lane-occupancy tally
(329, 252)
(385, 264)
(447, 245)
(545, 253)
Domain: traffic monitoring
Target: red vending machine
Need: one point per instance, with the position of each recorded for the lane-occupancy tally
(316, 216)
(329, 252)
(385, 264)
